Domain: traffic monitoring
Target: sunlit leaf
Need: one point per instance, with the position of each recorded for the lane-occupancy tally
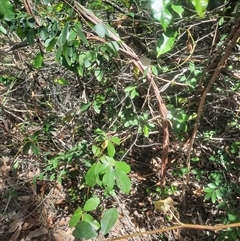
(96, 150)
(212, 185)
(90, 176)
(108, 220)
(101, 30)
(109, 178)
(111, 149)
(154, 70)
(200, 6)
(3, 30)
(85, 107)
(123, 166)
(165, 44)
(115, 140)
(122, 180)
(129, 89)
(145, 131)
(98, 74)
(161, 13)
(76, 217)
(37, 61)
(91, 204)
(178, 9)
(81, 34)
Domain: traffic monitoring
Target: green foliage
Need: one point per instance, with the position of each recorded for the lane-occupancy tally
(31, 144)
(116, 108)
(6, 10)
(200, 6)
(108, 172)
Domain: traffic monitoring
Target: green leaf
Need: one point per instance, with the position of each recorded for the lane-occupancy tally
(212, 185)
(99, 131)
(232, 217)
(88, 218)
(99, 170)
(122, 180)
(178, 9)
(208, 195)
(91, 204)
(115, 140)
(145, 131)
(165, 44)
(98, 74)
(30, 37)
(98, 102)
(84, 230)
(37, 61)
(52, 177)
(84, 107)
(6, 10)
(58, 53)
(64, 34)
(113, 46)
(218, 194)
(50, 44)
(96, 150)
(108, 220)
(76, 217)
(3, 30)
(26, 148)
(161, 13)
(35, 149)
(213, 197)
(108, 160)
(129, 89)
(109, 179)
(81, 34)
(101, 30)
(61, 81)
(154, 70)
(200, 6)
(90, 176)
(54, 163)
(72, 35)
(111, 149)
(123, 166)
(133, 94)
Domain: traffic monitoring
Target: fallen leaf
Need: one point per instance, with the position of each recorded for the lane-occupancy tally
(164, 205)
(37, 232)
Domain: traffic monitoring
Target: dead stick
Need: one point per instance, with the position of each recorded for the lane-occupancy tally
(217, 227)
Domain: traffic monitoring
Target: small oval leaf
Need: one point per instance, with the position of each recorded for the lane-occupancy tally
(91, 204)
(108, 220)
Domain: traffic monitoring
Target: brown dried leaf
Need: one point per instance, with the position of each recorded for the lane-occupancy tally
(164, 205)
